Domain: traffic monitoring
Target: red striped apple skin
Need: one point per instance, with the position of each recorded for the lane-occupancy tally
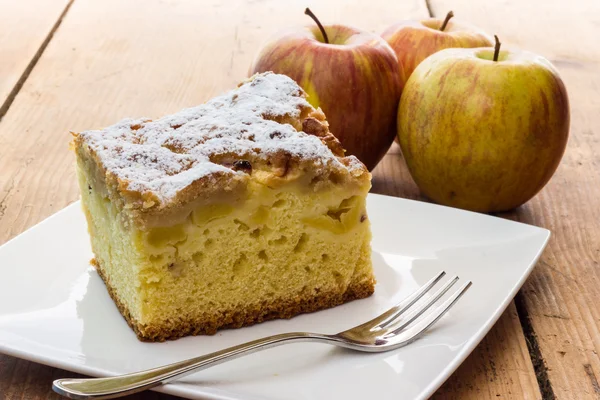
(355, 79)
(483, 135)
(414, 41)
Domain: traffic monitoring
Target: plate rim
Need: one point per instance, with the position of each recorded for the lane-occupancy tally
(474, 340)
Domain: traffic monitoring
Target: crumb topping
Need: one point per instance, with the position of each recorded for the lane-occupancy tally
(165, 156)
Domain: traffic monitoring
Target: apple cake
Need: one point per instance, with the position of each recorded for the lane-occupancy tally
(240, 210)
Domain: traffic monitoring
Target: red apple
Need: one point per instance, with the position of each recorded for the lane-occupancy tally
(351, 74)
(414, 41)
(483, 129)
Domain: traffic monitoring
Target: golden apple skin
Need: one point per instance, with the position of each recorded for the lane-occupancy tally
(414, 41)
(482, 135)
(355, 79)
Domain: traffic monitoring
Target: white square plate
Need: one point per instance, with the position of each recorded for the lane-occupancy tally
(55, 310)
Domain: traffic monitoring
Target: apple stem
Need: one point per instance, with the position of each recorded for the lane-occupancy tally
(314, 17)
(448, 16)
(496, 48)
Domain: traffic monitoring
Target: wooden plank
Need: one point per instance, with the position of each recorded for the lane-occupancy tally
(560, 30)
(114, 59)
(499, 368)
(25, 27)
(561, 297)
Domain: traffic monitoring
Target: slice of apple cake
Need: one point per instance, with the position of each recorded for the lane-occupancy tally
(240, 210)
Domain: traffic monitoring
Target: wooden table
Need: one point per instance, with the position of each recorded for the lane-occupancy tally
(77, 64)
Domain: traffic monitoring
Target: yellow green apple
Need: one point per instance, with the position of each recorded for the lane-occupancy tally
(483, 129)
(353, 75)
(414, 41)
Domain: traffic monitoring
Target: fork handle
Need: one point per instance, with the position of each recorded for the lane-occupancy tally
(110, 388)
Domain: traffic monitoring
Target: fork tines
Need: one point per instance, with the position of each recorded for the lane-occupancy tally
(408, 319)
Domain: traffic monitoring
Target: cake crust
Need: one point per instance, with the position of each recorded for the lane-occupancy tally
(245, 316)
(151, 169)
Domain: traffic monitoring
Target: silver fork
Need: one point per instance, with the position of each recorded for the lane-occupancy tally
(397, 327)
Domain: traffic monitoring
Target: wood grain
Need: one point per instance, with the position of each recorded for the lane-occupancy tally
(561, 297)
(24, 27)
(499, 368)
(561, 30)
(115, 58)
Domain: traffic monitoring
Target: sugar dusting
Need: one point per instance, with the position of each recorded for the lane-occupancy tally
(167, 155)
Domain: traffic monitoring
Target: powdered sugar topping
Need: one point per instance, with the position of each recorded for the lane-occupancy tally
(166, 155)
